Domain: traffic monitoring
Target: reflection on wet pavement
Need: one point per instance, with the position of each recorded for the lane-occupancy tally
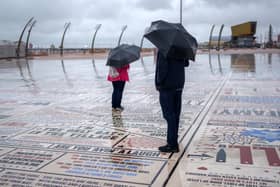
(241, 63)
(57, 127)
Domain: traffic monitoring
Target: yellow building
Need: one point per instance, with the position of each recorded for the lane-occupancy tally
(243, 34)
(244, 29)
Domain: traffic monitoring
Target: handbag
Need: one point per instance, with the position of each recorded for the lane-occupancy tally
(113, 72)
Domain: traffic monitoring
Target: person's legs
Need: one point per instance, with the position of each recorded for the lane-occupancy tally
(117, 93)
(167, 105)
(120, 93)
(114, 94)
(177, 108)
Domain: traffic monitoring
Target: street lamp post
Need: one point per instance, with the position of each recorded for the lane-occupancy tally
(181, 11)
(67, 25)
(210, 37)
(220, 36)
(123, 29)
(142, 40)
(20, 38)
(93, 39)
(27, 40)
(141, 43)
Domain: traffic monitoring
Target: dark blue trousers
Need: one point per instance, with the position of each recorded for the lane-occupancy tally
(171, 102)
(118, 87)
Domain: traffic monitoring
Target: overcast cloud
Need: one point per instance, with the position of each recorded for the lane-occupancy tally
(198, 17)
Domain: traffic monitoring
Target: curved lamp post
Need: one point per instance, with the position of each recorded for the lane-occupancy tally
(142, 40)
(66, 26)
(141, 43)
(220, 35)
(93, 39)
(20, 38)
(210, 37)
(27, 40)
(123, 29)
(181, 11)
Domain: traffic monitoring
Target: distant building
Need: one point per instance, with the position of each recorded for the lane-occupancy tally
(8, 49)
(278, 41)
(243, 34)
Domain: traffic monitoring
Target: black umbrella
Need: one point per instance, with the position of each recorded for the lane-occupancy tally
(172, 39)
(123, 55)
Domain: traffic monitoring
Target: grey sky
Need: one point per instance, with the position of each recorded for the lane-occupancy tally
(198, 16)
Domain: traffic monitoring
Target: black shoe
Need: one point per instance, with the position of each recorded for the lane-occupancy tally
(169, 149)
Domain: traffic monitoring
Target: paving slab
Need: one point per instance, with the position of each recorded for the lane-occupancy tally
(57, 126)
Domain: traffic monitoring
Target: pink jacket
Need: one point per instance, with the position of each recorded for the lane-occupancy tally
(123, 74)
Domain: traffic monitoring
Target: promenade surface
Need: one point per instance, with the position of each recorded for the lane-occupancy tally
(57, 127)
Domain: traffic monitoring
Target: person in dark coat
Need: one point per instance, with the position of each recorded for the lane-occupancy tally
(169, 81)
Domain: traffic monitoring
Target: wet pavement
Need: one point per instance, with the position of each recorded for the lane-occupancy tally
(57, 127)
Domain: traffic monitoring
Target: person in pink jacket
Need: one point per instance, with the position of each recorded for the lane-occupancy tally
(118, 83)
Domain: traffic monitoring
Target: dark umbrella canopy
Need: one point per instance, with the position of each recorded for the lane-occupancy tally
(172, 39)
(123, 55)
